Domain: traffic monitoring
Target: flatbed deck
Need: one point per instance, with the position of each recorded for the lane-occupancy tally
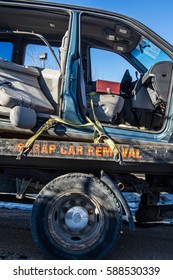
(84, 155)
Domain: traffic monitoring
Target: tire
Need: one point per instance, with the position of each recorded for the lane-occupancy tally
(76, 216)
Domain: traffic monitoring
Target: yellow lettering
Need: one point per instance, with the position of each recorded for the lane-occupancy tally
(99, 152)
(52, 148)
(63, 151)
(44, 149)
(90, 151)
(131, 153)
(124, 152)
(107, 151)
(36, 149)
(19, 146)
(138, 153)
(71, 150)
(79, 150)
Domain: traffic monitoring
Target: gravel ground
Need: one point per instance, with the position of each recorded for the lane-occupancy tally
(152, 242)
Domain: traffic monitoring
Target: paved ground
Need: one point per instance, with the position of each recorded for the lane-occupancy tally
(150, 243)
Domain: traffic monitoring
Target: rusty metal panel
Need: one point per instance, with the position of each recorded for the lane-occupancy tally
(79, 150)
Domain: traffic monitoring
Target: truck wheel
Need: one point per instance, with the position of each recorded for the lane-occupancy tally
(76, 216)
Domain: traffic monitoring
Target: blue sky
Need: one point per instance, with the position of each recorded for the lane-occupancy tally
(156, 14)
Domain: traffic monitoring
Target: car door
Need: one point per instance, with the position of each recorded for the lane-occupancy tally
(122, 51)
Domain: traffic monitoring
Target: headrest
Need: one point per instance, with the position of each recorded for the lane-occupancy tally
(23, 117)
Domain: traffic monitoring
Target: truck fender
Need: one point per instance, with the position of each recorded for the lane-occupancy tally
(108, 181)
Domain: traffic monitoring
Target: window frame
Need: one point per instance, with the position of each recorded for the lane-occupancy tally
(26, 43)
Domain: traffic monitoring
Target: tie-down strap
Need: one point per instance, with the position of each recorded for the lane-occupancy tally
(99, 135)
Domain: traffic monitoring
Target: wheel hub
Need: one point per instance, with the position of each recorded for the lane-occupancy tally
(75, 221)
(76, 218)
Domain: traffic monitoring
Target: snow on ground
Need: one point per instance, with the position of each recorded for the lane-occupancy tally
(12, 205)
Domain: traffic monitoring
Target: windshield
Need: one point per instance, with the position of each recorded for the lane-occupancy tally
(148, 53)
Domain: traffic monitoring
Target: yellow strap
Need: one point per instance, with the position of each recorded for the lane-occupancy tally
(99, 134)
(102, 135)
(48, 124)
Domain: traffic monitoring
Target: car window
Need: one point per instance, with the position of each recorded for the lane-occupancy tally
(40, 56)
(6, 50)
(106, 65)
(148, 53)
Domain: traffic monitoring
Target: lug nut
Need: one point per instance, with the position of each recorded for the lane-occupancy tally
(83, 203)
(90, 211)
(72, 202)
(64, 209)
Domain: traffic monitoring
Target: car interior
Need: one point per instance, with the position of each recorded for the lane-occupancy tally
(139, 104)
(32, 90)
